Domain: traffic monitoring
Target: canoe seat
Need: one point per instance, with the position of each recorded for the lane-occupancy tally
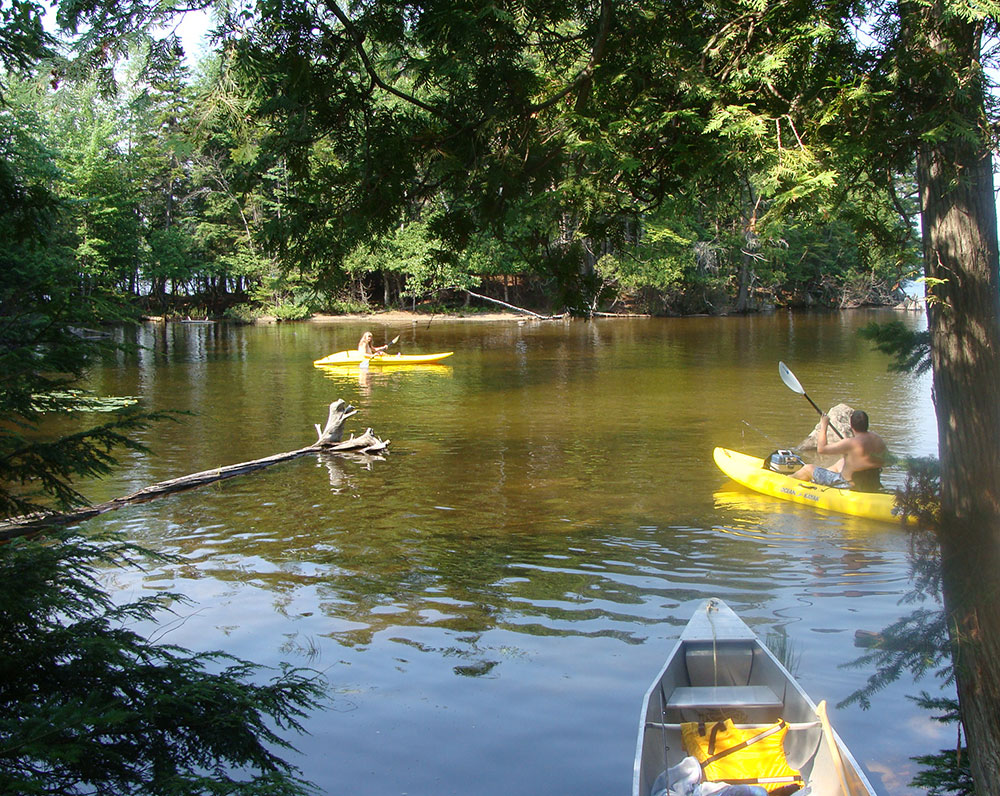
(715, 697)
(721, 663)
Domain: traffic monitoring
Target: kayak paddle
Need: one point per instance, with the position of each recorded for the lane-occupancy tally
(792, 384)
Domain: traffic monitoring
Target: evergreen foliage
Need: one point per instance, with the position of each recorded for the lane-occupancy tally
(948, 771)
(90, 705)
(540, 127)
(87, 704)
(916, 644)
(910, 349)
(45, 344)
(392, 155)
(919, 643)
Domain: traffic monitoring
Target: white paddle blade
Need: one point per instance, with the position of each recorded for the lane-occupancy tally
(789, 378)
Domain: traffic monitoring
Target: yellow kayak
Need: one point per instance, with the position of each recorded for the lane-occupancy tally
(355, 357)
(751, 473)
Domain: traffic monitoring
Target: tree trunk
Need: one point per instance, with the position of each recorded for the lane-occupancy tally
(751, 244)
(746, 272)
(958, 217)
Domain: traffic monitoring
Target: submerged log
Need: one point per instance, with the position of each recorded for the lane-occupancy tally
(330, 442)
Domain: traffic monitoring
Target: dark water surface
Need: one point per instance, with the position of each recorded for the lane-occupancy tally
(491, 601)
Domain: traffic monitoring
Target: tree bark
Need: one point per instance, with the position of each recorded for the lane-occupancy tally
(748, 253)
(330, 442)
(958, 217)
(745, 276)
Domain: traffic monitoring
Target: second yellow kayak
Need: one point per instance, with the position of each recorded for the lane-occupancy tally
(355, 358)
(751, 473)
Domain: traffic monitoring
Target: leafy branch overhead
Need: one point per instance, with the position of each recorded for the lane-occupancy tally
(540, 146)
(463, 116)
(909, 348)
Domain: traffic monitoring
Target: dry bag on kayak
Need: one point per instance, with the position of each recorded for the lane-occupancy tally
(741, 757)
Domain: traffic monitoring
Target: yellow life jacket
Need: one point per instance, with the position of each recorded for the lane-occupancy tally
(741, 757)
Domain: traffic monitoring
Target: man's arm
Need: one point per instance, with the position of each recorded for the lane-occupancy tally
(832, 448)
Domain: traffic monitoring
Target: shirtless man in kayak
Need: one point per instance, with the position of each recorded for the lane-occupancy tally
(861, 457)
(365, 345)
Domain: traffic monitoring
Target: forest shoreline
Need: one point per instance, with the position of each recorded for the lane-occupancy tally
(407, 316)
(389, 317)
(395, 317)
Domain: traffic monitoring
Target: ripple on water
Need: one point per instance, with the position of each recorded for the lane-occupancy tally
(500, 590)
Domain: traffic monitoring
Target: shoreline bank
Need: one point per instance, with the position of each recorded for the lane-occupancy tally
(396, 317)
(404, 316)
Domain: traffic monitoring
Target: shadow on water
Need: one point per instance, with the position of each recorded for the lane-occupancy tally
(492, 599)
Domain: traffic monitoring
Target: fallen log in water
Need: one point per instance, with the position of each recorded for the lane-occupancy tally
(515, 308)
(330, 442)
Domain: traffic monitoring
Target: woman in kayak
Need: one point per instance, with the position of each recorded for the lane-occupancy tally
(365, 345)
(861, 457)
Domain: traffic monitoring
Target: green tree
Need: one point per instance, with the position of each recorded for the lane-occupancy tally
(912, 98)
(87, 704)
(539, 125)
(43, 312)
(588, 114)
(97, 187)
(415, 257)
(955, 176)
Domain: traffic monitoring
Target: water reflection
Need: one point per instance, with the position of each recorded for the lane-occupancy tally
(336, 466)
(367, 379)
(504, 584)
(754, 510)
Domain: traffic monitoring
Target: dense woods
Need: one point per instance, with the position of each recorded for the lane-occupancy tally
(682, 157)
(294, 171)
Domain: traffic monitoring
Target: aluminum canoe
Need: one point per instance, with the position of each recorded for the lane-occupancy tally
(720, 669)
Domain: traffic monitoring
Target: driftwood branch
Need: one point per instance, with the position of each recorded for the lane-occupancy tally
(334, 429)
(330, 442)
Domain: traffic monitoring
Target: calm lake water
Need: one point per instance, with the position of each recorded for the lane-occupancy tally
(490, 602)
